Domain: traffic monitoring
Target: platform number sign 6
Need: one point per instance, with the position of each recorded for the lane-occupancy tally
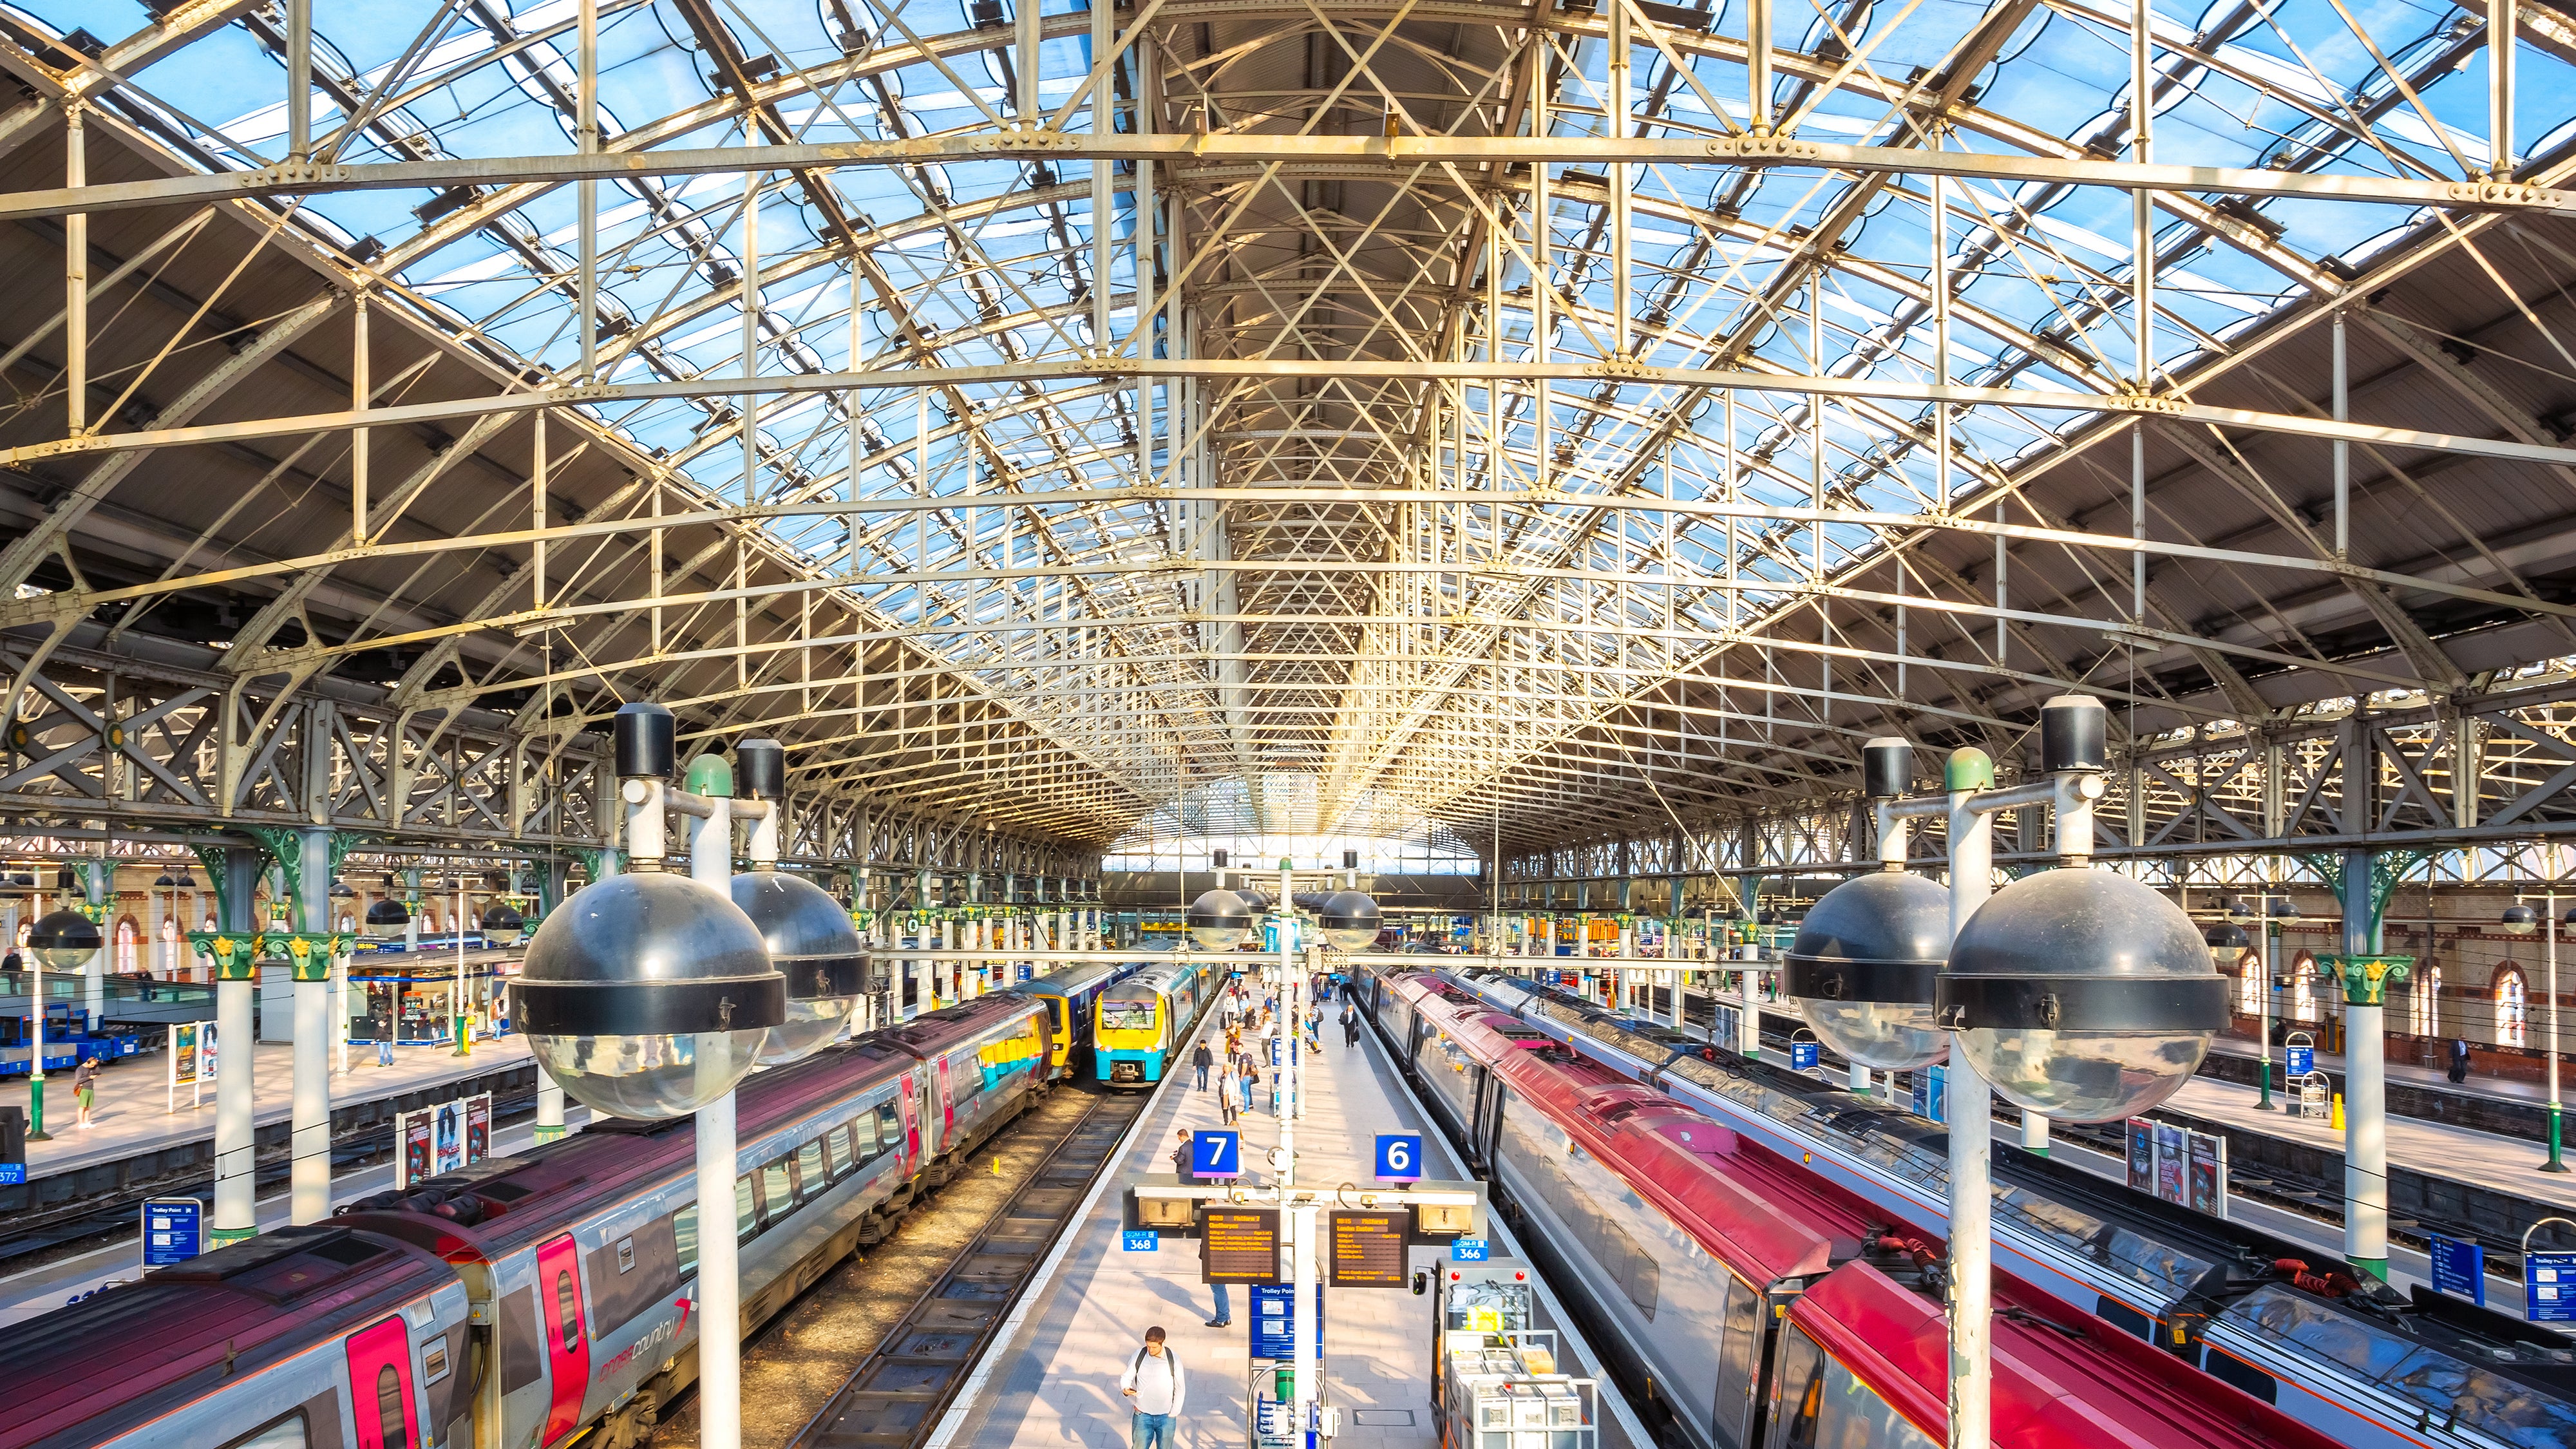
(1399, 1157)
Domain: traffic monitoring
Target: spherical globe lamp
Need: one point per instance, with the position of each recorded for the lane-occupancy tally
(648, 995)
(1219, 920)
(811, 942)
(1863, 967)
(2226, 942)
(1350, 921)
(65, 940)
(387, 918)
(1257, 902)
(502, 924)
(2082, 994)
(2519, 920)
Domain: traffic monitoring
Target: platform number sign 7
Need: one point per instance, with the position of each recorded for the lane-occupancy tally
(1216, 1154)
(1399, 1157)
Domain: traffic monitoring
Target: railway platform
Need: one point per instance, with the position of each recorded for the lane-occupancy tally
(1053, 1377)
(133, 1119)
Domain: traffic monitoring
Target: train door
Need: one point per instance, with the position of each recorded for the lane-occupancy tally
(911, 1124)
(947, 1105)
(380, 1387)
(567, 1340)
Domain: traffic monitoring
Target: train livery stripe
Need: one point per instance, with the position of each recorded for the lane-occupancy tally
(567, 1342)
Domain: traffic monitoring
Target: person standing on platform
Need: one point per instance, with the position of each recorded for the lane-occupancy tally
(1350, 1027)
(1156, 1386)
(1202, 1058)
(1225, 1099)
(85, 1089)
(1181, 1158)
(2459, 1071)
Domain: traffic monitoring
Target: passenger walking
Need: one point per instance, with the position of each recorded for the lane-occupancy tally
(1156, 1386)
(1202, 1058)
(1350, 1026)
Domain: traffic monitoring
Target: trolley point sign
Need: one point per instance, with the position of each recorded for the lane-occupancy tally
(1367, 1249)
(1239, 1245)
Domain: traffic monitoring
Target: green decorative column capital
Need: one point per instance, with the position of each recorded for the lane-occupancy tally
(233, 954)
(2366, 977)
(310, 953)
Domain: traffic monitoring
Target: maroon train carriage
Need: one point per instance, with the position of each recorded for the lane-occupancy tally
(530, 1297)
(1763, 1305)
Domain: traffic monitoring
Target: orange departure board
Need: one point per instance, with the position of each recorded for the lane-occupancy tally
(1367, 1249)
(1239, 1245)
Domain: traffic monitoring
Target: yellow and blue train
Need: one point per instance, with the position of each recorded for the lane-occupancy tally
(1069, 995)
(1142, 1022)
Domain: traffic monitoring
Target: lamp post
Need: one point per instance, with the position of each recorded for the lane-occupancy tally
(649, 995)
(2075, 993)
(2519, 920)
(64, 940)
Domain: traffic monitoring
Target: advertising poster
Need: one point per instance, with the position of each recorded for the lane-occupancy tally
(2173, 1161)
(478, 1127)
(450, 1135)
(411, 1134)
(191, 1060)
(2209, 1174)
(2142, 1154)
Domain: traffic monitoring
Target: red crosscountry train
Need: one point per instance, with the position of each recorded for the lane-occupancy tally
(1760, 1306)
(529, 1298)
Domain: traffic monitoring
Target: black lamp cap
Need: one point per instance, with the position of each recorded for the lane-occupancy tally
(1350, 860)
(808, 935)
(760, 770)
(2074, 734)
(648, 954)
(2226, 934)
(1220, 910)
(1887, 767)
(1216, 859)
(647, 742)
(2080, 950)
(64, 931)
(1872, 938)
(388, 913)
(1349, 911)
(502, 916)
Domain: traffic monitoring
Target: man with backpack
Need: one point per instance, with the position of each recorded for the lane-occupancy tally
(1155, 1385)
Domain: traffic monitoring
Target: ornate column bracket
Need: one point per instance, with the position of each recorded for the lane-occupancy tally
(2366, 978)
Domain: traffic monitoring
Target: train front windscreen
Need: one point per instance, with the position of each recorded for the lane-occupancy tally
(1122, 1015)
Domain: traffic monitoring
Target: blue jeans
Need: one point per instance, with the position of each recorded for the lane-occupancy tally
(1224, 1304)
(1151, 1431)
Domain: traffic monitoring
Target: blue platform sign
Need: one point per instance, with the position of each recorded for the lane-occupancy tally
(2549, 1287)
(1803, 1056)
(2460, 1269)
(1274, 1320)
(173, 1230)
(1140, 1240)
(1399, 1157)
(13, 1174)
(1469, 1250)
(1216, 1154)
(2302, 1060)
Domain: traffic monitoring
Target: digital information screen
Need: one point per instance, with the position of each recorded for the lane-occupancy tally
(1367, 1249)
(1239, 1245)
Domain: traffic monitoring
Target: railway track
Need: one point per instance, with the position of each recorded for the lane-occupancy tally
(875, 1351)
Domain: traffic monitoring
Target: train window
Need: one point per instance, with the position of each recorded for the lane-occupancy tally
(1126, 1015)
(836, 1151)
(1739, 1364)
(282, 1433)
(889, 1125)
(392, 1424)
(1821, 1406)
(810, 1174)
(965, 1080)
(684, 1232)
(746, 1207)
(777, 1191)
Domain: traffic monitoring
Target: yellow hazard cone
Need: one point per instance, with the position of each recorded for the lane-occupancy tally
(2338, 1112)
(997, 1164)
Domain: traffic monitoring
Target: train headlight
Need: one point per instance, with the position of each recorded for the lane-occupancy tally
(1350, 921)
(811, 943)
(1863, 966)
(2082, 994)
(1219, 920)
(648, 995)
